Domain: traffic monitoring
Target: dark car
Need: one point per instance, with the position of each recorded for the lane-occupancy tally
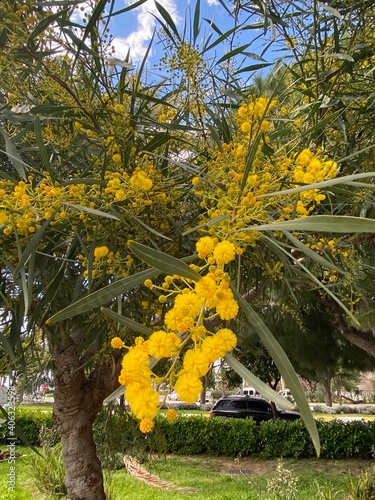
(246, 406)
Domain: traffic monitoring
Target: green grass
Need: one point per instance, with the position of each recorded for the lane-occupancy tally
(212, 478)
(24, 486)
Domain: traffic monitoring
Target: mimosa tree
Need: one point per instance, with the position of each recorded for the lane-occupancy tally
(139, 216)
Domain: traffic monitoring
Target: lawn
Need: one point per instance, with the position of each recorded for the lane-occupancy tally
(47, 407)
(210, 478)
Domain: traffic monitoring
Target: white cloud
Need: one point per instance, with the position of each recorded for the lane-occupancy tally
(213, 2)
(138, 40)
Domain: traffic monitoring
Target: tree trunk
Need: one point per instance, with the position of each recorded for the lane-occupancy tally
(78, 399)
(327, 392)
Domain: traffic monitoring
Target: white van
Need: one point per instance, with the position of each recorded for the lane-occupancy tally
(247, 391)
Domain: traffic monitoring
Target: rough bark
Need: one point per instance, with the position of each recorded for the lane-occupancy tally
(78, 399)
(327, 392)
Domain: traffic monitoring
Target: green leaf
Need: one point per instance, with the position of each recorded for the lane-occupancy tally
(233, 53)
(103, 296)
(221, 38)
(95, 17)
(315, 280)
(329, 183)
(310, 253)
(162, 261)
(91, 211)
(167, 18)
(126, 9)
(331, 10)
(196, 20)
(42, 148)
(78, 42)
(253, 67)
(210, 223)
(150, 229)
(115, 394)
(249, 160)
(340, 55)
(255, 382)
(325, 223)
(14, 157)
(283, 364)
(123, 320)
(44, 23)
(7, 347)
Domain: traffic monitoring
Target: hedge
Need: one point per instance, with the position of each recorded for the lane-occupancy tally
(272, 439)
(217, 436)
(30, 423)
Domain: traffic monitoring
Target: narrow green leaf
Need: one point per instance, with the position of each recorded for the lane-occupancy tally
(249, 160)
(150, 229)
(23, 279)
(210, 223)
(123, 320)
(14, 157)
(95, 17)
(252, 55)
(283, 364)
(91, 211)
(324, 184)
(162, 261)
(221, 38)
(126, 9)
(319, 284)
(331, 10)
(196, 21)
(7, 347)
(232, 53)
(264, 389)
(331, 223)
(115, 394)
(340, 55)
(32, 245)
(78, 42)
(167, 18)
(44, 23)
(253, 67)
(42, 148)
(310, 253)
(103, 296)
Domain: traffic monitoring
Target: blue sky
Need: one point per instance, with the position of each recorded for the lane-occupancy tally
(134, 29)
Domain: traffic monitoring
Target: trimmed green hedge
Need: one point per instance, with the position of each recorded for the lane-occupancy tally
(272, 439)
(217, 436)
(30, 423)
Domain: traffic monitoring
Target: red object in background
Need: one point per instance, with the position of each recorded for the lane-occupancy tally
(44, 387)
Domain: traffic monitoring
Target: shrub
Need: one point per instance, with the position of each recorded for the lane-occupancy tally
(29, 422)
(47, 468)
(272, 439)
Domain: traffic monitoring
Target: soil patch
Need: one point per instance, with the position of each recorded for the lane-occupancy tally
(249, 466)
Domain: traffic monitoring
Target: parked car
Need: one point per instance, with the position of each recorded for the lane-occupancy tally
(172, 396)
(249, 407)
(287, 394)
(248, 391)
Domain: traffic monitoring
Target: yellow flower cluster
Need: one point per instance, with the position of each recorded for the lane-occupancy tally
(310, 169)
(185, 318)
(101, 252)
(117, 343)
(139, 181)
(238, 204)
(251, 116)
